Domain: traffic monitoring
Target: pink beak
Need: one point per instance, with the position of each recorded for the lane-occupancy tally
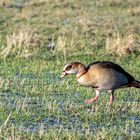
(63, 74)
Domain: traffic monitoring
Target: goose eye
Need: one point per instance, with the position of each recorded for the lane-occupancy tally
(70, 67)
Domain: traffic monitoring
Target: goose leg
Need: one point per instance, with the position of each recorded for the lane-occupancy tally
(111, 97)
(93, 99)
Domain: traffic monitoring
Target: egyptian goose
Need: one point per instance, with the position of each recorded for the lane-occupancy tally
(102, 75)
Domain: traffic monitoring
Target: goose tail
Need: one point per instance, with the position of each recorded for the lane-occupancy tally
(136, 84)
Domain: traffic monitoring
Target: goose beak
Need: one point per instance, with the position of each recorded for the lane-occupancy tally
(63, 75)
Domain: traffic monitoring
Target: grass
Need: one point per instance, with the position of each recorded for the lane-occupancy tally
(37, 38)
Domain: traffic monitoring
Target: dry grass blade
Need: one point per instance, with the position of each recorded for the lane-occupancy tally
(21, 43)
(122, 46)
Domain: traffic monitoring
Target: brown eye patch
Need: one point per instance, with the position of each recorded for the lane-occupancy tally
(69, 67)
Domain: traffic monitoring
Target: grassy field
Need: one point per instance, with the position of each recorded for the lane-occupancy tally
(37, 38)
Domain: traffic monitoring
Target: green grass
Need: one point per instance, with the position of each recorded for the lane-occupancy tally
(37, 38)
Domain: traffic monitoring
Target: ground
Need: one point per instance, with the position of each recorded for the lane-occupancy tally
(37, 38)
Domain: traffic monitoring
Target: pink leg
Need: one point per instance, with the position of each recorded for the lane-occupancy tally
(111, 97)
(93, 99)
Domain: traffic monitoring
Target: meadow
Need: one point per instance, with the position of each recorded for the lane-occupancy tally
(37, 38)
